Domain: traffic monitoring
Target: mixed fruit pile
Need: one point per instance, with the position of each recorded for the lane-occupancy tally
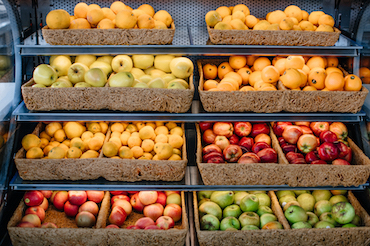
(314, 143)
(240, 142)
(141, 71)
(292, 18)
(118, 15)
(253, 73)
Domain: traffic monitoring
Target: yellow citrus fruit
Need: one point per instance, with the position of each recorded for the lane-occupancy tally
(94, 16)
(117, 6)
(74, 152)
(161, 130)
(291, 78)
(171, 125)
(116, 141)
(245, 73)
(306, 69)
(148, 9)
(125, 19)
(223, 69)
(147, 132)
(304, 15)
(145, 21)
(324, 28)
(238, 24)
(226, 19)
(60, 135)
(163, 150)
(110, 149)
(286, 24)
(43, 143)
(108, 14)
(175, 157)
(117, 127)
(250, 21)
(276, 17)
(163, 16)
(225, 87)
(237, 62)
(212, 18)
(125, 153)
(223, 11)
(94, 127)
(30, 140)
(106, 24)
(270, 74)
(56, 153)
(326, 20)
(238, 15)
(306, 26)
(34, 153)
(241, 7)
(58, 19)
(352, 83)
(147, 145)
(90, 154)
(51, 128)
(80, 10)
(43, 134)
(294, 11)
(334, 82)
(161, 138)
(262, 25)
(315, 16)
(95, 143)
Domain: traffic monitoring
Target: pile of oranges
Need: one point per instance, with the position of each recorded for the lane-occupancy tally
(253, 73)
(365, 75)
(292, 18)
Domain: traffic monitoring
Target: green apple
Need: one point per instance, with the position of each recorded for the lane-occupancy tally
(239, 196)
(249, 218)
(96, 77)
(145, 78)
(337, 198)
(348, 225)
(356, 220)
(312, 218)
(266, 218)
(306, 201)
(106, 59)
(186, 85)
(322, 207)
(61, 84)
(323, 224)
(229, 222)
(285, 199)
(85, 59)
(273, 225)
(288, 204)
(263, 199)
(282, 193)
(4, 62)
(156, 83)
(82, 84)
(122, 63)
(210, 208)
(168, 77)
(223, 198)
(249, 227)
(155, 73)
(143, 61)
(300, 225)
(137, 72)
(45, 74)
(232, 210)
(55, 56)
(204, 194)
(181, 67)
(343, 212)
(104, 66)
(61, 65)
(295, 214)
(76, 72)
(148, 70)
(141, 85)
(203, 201)
(299, 192)
(209, 222)
(121, 79)
(249, 203)
(264, 210)
(162, 62)
(321, 195)
(327, 216)
(175, 85)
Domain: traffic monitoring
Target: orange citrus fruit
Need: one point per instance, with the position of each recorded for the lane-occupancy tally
(210, 71)
(352, 83)
(270, 74)
(245, 73)
(334, 82)
(291, 78)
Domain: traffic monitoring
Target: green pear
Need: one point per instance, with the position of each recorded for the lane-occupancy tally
(348, 225)
(249, 227)
(299, 192)
(203, 201)
(356, 220)
(232, 210)
(337, 198)
(210, 208)
(312, 218)
(209, 222)
(324, 224)
(327, 216)
(223, 198)
(156, 83)
(266, 218)
(295, 214)
(322, 207)
(288, 204)
(229, 222)
(285, 199)
(264, 210)
(175, 85)
(321, 195)
(82, 84)
(249, 218)
(301, 224)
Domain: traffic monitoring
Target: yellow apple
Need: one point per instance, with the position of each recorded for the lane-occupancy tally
(103, 65)
(145, 78)
(181, 67)
(168, 77)
(122, 63)
(85, 59)
(96, 77)
(143, 61)
(162, 62)
(137, 72)
(121, 79)
(76, 72)
(156, 83)
(44, 75)
(61, 65)
(155, 73)
(107, 59)
(55, 56)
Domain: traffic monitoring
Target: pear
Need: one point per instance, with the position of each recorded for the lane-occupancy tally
(210, 208)
(223, 198)
(204, 194)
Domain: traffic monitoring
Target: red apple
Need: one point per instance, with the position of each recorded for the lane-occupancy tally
(289, 148)
(112, 226)
(174, 211)
(92, 207)
(205, 125)
(53, 195)
(282, 141)
(302, 123)
(33, 219)
(117, 192)
(47, 193)
(242, 129)
(306, 130)
(212, 155)
(33, 198)
(348, 157)
(222, 142)
(339, 129)
(234, 139)
(257, 147)
(152, 227)
(169, 192)
(320, 162)
(259, 128)
(77, 197)
(161, 198)
(123, 204)
(95, 195)
(292, 155)
(26, 225)
(48, 225)
(244, 149)
(307, 143)
(216, 159)
(85, 219)
(136, 204)
(298, 161)
(132, 227)
(318, 127)
(45, 204)
(344, 150)
(328, 152)
(117, 216)
(165, 222)
(267, 155)
(118, 197)
(328, 136)
(153, 211)
(246, 142)
(223, 129)
(232, 153)
(130, 193)
(279, 127)
(249, 158)
(209, 136)
(148, 197)
(60, 198)
(38, 210)
(211, 148)
(311, 156)
(340, 162)
(291, 134)
(263, 138)
(70, 209)
(144, 222)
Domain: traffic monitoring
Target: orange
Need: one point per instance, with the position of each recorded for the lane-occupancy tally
(291, 78)
(237, 62)
(305, 15)
(294, 62)
(352, 83)
(316, 61)
(223, 69)
(241, 7)
(209, 84)
(316, 78)
(247, 88)
(303, 77)
(80, 10)
(326, 20)
(224, 87)
(272, 88)
(314, 17)
(260, 63)
(332, 61)
(325, 89)
(117, 6)
(294, 11)
(309, 88)
(245, 73)
(276, 58)
(296, 89)
(223, 11)
(235, 76)
(270, 74)
(231, 81)
(210, 71)
(258, 85)
(250, 60)
(366, 80)
(306, 69)
(333, 70)
(280, 65)
(334, 82)
(364, 72)
(276, 17)
(254, 77)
